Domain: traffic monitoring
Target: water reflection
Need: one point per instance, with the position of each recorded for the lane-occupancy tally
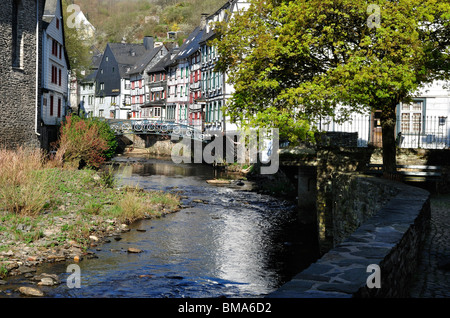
(236, 243)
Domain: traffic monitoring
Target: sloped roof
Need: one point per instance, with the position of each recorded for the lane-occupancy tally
(90, 78)
(127, 55)
(162, 64)
(49, 10)
(192, 44)
(142, 63)
(207, 36)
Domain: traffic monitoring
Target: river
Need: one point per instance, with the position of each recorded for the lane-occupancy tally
(225, 241)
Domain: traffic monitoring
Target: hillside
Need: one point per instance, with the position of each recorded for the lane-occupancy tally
(131, 20)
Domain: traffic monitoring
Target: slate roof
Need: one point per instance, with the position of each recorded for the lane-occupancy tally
(49, 10)
(162, 64)
(142, 63)
(191, 44)
(127, 55)
(90, 78)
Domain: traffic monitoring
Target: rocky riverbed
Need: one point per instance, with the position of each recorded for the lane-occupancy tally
(23, 258)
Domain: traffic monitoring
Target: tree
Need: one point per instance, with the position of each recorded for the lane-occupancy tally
(291, 62)
(78, 48)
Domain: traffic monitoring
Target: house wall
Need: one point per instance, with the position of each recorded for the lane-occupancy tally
(87, 98)
(58, 89)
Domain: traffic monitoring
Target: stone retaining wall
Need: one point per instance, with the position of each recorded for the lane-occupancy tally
(391, 238)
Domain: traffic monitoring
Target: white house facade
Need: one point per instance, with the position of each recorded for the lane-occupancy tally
(54, 66)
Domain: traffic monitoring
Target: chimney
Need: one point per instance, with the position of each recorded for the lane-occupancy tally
(203, 20)
(148, 42)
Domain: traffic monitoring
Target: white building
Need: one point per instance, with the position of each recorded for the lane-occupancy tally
(87, 96)
(55, 65)
(215, 89)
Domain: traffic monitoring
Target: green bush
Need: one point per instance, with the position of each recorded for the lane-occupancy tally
(86, 141)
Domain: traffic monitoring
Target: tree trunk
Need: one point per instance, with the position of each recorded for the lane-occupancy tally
(388, 120)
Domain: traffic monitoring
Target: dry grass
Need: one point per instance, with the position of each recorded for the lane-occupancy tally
(20, 190)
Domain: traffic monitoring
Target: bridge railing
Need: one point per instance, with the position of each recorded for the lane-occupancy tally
(157, 127)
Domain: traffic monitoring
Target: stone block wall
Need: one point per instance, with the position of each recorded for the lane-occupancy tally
(356, 198)
(18, 84)
(332, 162)
(391, 239)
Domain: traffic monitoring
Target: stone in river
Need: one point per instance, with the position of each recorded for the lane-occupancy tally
(30, 291)
(134, 250)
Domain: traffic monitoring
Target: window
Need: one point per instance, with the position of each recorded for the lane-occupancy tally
(411, 117)
(55, 75)
(59, 107)
(57, 23)
(100, 113)
(17, 33)
(102, 86)
(51, 105)
(54, 47)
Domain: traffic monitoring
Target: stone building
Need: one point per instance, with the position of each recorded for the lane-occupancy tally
(20, 47)
(33, 68)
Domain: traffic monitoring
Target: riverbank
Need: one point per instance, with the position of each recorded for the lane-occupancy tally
(68, 211)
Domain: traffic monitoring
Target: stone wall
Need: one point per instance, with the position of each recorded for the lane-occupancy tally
(332, 162)
(390, 238)
(18, 84)
(155, 145)
(355, 198)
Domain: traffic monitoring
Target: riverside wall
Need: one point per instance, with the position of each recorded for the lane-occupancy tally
(374, 222)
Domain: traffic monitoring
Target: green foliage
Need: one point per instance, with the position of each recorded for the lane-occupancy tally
(134, 19)
(86, 140)
(78, 49)
(303, 59)
(107, 134)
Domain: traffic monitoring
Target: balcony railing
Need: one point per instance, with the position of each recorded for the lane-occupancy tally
(430, 132)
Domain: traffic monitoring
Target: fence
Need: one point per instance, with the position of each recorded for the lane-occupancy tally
(430, 132)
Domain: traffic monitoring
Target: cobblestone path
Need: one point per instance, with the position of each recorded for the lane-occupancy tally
(433, 277)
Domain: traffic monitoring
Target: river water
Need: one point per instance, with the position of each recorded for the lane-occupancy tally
(233, 243)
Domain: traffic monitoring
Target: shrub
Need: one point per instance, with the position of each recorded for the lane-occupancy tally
(107, 134)
(81, 142)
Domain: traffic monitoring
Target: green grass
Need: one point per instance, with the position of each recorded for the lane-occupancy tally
(89, 197)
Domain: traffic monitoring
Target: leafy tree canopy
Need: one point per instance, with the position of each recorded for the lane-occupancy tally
(293, 61)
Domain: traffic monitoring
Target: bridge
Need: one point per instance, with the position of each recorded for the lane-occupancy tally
(155, 127)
